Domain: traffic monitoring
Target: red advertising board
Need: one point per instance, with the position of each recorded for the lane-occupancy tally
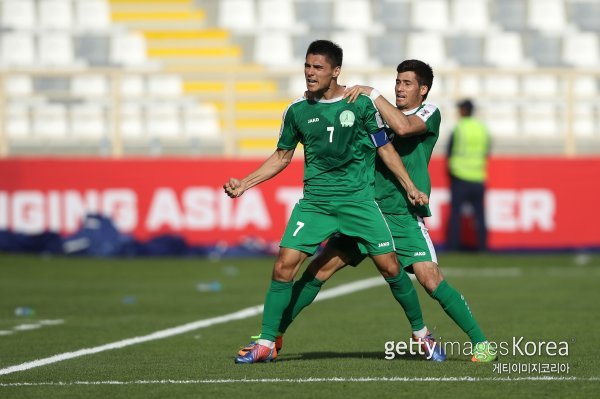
(532, 203)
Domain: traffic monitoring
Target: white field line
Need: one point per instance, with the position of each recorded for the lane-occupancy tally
(305, 380)
(196, 325)
(185, 328)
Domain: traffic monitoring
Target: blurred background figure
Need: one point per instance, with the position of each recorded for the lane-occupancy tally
(468, 152)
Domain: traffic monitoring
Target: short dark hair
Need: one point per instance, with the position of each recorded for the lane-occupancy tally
(421, 69)
(467, 105)
(329, 49)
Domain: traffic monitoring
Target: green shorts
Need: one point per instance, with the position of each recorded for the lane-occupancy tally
(312, 222)
(411, 239)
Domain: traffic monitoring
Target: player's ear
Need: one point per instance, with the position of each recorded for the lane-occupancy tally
(336, 71)
(423, 90)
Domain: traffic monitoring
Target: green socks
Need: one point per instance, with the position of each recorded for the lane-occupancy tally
(404, 292)
(277, 299)
(455, 306)
(304, 292)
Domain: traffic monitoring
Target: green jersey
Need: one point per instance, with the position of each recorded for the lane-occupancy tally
(415, 152)
(340, 143)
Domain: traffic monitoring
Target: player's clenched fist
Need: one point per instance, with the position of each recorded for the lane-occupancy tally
(234, 188)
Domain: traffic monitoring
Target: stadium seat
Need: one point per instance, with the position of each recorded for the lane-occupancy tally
(470, 16)
(428, 47)
(502, 119)
(132, 86)
(584, 123)
(50, 121)
(18, 14)
(128, 49)
(545, 48)
(430, 15)
(89, 85)
(18, 85)
(131, 119)
(316, 14)
(546, 15)
(87, 121)
(56, 49)
(540, 119)
(55, 14)
(237, 15)
(17, 123)
(202, 121)
(391, 49)
(539, 85)
(586, 14)
(504, 50)
(511, 15)
(356, 52)
(586, 85)
(501, 85)
(354, 15)
(581, 49)
(394, 15)
(279, 15)
(470, 85)
(162, 120)
(466, 49)
(93, 49)
(17, 49)
(274, 49)
(164, 85)
(92, 15)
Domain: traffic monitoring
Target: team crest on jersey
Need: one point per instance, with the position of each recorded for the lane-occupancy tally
(347, 118)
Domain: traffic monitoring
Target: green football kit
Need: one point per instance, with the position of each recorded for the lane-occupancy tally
(411, 237)
(340, 141)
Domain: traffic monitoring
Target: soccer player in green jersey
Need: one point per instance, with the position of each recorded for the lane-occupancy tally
(414, 127)
(341, 141)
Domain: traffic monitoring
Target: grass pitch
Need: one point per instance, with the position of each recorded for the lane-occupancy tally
(336, 348)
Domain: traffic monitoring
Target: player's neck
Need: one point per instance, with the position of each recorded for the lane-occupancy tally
(332, 92)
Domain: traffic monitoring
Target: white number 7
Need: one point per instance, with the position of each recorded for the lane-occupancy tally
(300, 225)
(330, 130)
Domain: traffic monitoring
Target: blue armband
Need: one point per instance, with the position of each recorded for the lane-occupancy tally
(380, 138)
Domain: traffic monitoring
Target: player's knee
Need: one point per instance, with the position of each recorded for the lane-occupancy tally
(429, 275)
(282, 271)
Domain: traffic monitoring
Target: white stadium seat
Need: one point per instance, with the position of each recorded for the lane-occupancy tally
(164, 85)
(540, 85)
(504, 50)
(237, 15)
(128, 49)
(55, 14)
(430, 15)
(87, 121)
(89, 85)
(18, 85)
(581, 50)
(162, 120)
(357, 49)
(273, 50)
(50, 121)
(17, 123)
(540, 119)
(279, 15)
(502, 85)
(92, 15)
(470, 16)
(202, 121)
(547, 15)
(353, 15)
(17, 49)
(131, 124)
(18, 14)
(429, 47)
(56, 49)
(132, 86)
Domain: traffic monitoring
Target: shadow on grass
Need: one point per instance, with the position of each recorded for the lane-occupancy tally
(342, 355)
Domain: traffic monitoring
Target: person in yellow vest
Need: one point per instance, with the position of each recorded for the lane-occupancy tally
(468, 152)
